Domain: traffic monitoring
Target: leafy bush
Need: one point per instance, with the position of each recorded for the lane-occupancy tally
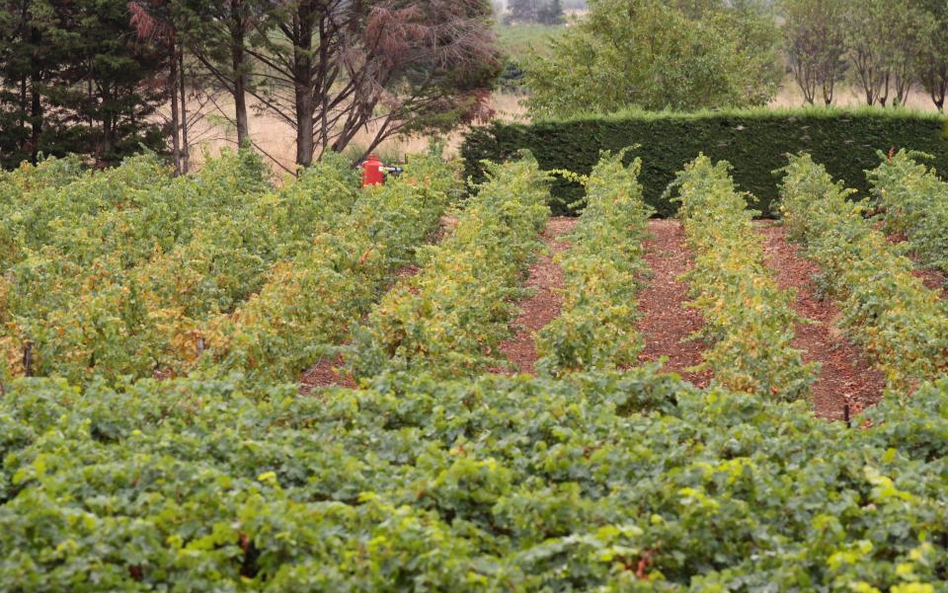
(747, 316)
(99, 253)
(95, 301)
(755, 142)
(914, 202)
(604, 482)
(308, 303)
(603, 267)
(887, 310)
(450, 318)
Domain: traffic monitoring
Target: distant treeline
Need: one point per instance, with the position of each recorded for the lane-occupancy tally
(105, 78)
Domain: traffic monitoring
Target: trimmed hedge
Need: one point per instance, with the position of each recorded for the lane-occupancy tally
(756, 142)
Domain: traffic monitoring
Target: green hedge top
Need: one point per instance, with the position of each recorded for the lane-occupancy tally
(756, 142)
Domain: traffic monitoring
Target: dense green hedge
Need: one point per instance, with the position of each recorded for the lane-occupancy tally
(756, 142)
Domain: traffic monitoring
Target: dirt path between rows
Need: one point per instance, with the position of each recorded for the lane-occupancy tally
(666, 323)
(846, 375)
(933, 279)
(330, 371)
(546, 277)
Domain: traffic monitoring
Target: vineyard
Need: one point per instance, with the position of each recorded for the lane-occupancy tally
(210, 383)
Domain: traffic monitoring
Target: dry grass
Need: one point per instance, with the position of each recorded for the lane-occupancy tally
(848, 96)
(277, 139)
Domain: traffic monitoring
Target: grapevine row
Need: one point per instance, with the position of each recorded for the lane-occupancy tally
(603, 269)
(304, 310)
(748, 317)
(887, 310)
(126, 213)
(109, 320)
(914, 203)
(451, 317)
(604, 482)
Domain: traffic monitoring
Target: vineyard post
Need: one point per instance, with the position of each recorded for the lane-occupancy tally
(28, 359)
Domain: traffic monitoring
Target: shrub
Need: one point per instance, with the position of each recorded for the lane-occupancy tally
(604, 268)
(886, 309)
(747, 317)
(755, 142)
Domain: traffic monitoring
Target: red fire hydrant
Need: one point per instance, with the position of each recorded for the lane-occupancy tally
(372, 171)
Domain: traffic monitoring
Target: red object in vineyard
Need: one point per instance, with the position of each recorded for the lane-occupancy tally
(372, 171)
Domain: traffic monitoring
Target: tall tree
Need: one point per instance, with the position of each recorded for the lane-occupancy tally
(933, 50)
(815, 45)
(551, 13)
(656, 55)
(76, 79)
(866, 25)
(333, 68)
(154, 22)
(525, 10)
(219, 32)
(29, 60)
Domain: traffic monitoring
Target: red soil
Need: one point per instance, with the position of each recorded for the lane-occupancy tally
(546, 278)
(328, 372)
(933, 279)
(666, 323)
(846, 375)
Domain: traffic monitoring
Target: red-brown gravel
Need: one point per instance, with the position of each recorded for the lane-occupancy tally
(933, 279)
(546, 278)
(845, 374)
(666, 323)
(328, 372)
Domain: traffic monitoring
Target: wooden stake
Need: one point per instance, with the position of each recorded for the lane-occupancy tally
(28, 359)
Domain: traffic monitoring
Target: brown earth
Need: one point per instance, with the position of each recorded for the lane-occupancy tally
(666, 322)
(546, 278)
(846, 376)
(933, 279)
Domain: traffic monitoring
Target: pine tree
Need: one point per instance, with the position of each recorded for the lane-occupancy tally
(74, 78)
(524, 10)
(552, 13)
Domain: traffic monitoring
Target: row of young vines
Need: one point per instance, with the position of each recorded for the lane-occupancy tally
(604, 270)
(913, 200)
(748, 318)
(886, 310)
(128, 273)
(450, 318)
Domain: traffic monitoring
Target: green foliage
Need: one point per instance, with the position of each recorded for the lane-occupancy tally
(901, 324)
(914, 203)
(604, 268)
(933, 50)
(754, 142)
(308, 303)
(600, 483)
(130, 272)
(450, 318)
(656, 55)
(747, 316)
(75, 79)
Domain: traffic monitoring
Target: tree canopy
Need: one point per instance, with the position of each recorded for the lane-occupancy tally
(656, 55)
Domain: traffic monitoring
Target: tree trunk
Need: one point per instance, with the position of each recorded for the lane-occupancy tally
(303, 83)
(304, 126)
(36, 101)
(36, 121)
(239, 64)
(185, 149)
(884, 93)
(24, 101)
(175, 119)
